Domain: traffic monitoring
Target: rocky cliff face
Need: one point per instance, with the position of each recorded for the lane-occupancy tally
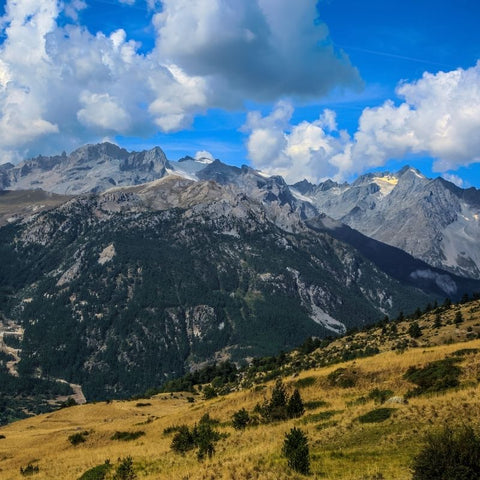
(123, 290)
(92, 168)
(432, 220)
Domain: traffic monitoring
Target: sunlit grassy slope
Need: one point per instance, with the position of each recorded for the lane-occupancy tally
(341, 446)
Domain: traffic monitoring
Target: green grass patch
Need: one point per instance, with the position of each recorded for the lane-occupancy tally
(305, 382)
(434, 377)
(376, 416)
(127, 436)
(78, 438)
(318, 417)
(465, 351)
(315, 404)
(97, 473)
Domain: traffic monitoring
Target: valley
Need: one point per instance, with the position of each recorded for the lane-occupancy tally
(342, 446)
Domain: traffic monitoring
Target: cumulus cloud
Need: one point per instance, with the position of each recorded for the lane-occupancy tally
(312, 150)
(439, 116)
(204, 155)
(259, 49)
(61, 85)
(455, 179)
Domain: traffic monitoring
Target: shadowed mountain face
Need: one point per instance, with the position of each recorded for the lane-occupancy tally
(432, 220)
(120, 291)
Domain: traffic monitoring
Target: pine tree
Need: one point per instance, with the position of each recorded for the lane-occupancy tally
(125, 470)
(240, 419)
(414, 330)
(296, 450)
(295, 406)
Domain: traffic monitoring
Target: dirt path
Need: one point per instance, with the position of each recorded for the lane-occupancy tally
(17, 331)
(14, 352)
(78, 395)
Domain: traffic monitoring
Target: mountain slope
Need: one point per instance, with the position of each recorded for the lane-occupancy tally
(341, 446)
(121, 291)
(432, 220)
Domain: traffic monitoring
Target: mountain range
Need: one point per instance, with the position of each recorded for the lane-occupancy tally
(128, 269)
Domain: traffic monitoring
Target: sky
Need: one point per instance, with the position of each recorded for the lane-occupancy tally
(332, 89)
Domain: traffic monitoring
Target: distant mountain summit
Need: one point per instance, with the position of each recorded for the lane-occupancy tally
(91, 168)
(431, 219)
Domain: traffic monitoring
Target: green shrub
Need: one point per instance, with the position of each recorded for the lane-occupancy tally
(342, 377)
(209, 392)
(414, 330)
(183, 440)
(29, 470)
(127, 436)
(171, 429)
(305, 382)
(315, 404)
(78, 438)
(296, 450)
(97, 473)
(125, 470)
(376, 416)
(295, 406)
(449, 455)
(317, 417)
(240, 419)
(465, 351)
(203, 436)
(143, 404)
(434, 377)
(379, 396)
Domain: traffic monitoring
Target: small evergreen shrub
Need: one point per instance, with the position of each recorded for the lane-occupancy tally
(127, 436)
(29, 470)
(379, 396)
(125, 470)
(376, 416)
(98, 472)
(295, 408)
(183, 440)
(209, 392)
(414, 330)
(296, 450)
(342, 377)
(240, 419)
(449, 455)
(78, 438)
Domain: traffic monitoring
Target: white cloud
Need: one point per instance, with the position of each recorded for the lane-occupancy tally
(257, 49)
(62, 85)
(313, 150)
(204, 155)
(455, 179)
(439, 117)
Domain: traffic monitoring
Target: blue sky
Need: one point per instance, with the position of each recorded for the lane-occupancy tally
(334, 90)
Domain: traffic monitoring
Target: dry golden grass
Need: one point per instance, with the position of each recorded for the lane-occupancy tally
(341, 447)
